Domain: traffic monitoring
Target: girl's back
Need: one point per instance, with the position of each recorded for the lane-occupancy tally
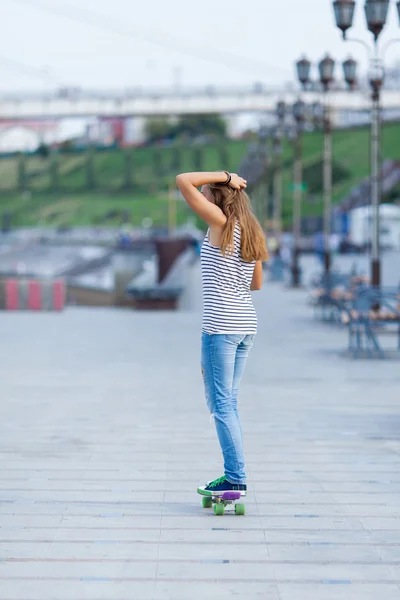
(228, 306)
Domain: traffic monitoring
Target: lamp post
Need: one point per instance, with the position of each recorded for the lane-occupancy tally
(326, 69)
(376, 13)
(263, 167)
(298, 111)
(277, 183)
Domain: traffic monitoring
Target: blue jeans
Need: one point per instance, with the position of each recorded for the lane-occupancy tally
(223, 358)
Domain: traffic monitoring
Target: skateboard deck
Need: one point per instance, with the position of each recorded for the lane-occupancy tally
(225, 502)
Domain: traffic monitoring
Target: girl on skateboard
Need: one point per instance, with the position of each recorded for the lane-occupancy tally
(231, 264)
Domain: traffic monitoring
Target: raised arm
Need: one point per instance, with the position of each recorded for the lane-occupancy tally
(209, 212)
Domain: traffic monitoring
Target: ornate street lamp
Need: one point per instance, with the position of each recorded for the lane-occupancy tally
(261, 164)
(321, 114)
(299, 111)
(376, 12)
(281, 110)
(344, 14)
(299, 115)
(326, 70)
(350, 72)
(303, 67)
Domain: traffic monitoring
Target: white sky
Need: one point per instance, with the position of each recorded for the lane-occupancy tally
(268, 35)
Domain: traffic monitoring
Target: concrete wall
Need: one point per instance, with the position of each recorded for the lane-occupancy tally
(89, 297)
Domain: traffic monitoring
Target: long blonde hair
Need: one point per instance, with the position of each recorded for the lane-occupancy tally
(236, 206)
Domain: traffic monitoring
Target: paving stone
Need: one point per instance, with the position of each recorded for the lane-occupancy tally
(75, 569)
(335, 572)
(235, 550)
(217, 570)
(336, 590)
(328, 552)
(137, 590)
(214, 535)
(105, 438)
(166, 590)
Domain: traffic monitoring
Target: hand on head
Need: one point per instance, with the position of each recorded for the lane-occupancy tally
(237, 182)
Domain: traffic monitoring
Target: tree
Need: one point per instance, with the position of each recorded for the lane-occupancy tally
(43, 150)
(188, 126)
(158, 128)
(196, 125)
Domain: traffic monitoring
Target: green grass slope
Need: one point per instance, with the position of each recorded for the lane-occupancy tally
(150, 173)
(351, 164)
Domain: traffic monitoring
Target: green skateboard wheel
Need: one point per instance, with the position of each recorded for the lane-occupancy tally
(219, 509)
(206, 502)
(239, 509)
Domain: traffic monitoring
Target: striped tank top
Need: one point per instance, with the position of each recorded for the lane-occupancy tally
(228, 307)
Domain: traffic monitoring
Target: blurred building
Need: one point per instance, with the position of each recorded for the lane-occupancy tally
(360, 226)
(122, 131)
(26, 136)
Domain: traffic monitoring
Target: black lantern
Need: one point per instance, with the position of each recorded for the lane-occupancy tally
(281, 110)
(376, 14)
(303, 67)
(350, 72)
(299, 111)
(344, 13)
(326, 68)
(398, 9)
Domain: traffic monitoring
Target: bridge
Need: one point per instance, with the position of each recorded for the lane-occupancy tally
(162, 102)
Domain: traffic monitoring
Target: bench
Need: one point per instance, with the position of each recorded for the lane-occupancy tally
(370, 313)
(331, 293)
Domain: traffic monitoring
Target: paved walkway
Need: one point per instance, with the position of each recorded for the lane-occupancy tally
(104, 436)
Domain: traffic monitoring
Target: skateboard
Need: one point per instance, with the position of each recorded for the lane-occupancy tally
(226, 502)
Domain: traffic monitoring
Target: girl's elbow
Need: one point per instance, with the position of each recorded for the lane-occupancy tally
(179, 180)
(183, 183)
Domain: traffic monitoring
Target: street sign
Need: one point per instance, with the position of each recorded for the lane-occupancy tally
(302, 186)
